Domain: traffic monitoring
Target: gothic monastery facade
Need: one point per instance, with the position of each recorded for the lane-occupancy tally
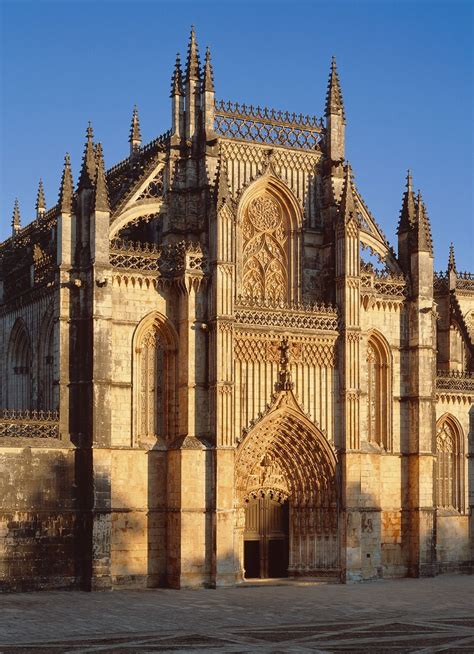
(205, 380)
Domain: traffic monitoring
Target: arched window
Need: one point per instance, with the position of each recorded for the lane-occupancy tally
(155, 381)
(265, 250)
(19, 369)
(449, 464)
(379, 392)
(269, 236)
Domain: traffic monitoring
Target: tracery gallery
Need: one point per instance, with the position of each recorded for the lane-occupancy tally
(216, 368)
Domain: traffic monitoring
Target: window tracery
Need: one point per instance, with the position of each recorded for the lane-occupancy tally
(155, 379)
(449, 466)
(378, 393)
(152, 368)
(19, 369)
(265, 250)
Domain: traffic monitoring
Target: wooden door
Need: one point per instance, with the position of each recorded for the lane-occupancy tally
(266, 539)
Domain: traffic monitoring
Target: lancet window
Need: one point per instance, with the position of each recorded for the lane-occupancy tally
(379, 392)
(265, 250)
(19, 369)
(449, 466)
(155, 385)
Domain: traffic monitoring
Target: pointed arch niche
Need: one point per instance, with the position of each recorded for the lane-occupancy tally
(379, 391)
(19, 372)
(287, 459)
(154, 380)
(449, 464)
(269, 234)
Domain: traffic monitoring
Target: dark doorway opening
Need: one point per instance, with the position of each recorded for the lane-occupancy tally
(266, 539)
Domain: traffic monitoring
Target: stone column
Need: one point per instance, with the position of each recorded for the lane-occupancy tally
(348, 301)
(221, 391)
(419, 514)
(189, 457)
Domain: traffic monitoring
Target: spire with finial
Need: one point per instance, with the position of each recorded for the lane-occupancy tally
(407, 213)
(135, 137)
(451, 260)
(284, 382)
(66, 190)
(16, 218)
(40, 205)
(87, 176)
(334, 102)
(101, 198)
(347, 207)
(193, 70)
(177, 79)
(208, 77)
(422, 229)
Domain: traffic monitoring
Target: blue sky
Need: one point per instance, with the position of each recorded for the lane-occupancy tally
(406, 70)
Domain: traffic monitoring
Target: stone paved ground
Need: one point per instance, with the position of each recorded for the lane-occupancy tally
(406, 615)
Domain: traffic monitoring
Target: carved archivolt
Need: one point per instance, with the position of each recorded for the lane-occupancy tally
(285, 451)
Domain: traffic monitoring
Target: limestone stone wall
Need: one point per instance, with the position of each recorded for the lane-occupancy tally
(40, 521)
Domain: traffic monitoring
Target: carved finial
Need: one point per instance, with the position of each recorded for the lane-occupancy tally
(101, 200)
(193, 70)
(284, 382)
(177, 79)
(208, 78)
(16, 218)
(40, 205)
(222, 187)
(87, 175)
(135, 137)
(347, 207)
(451, 260)
(66, 189)
(334, 103)
(422, 241)
(407, 213)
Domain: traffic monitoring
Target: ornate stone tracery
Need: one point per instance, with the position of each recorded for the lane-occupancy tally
(378, 391)
(449, 465)
(19, 360)
(265, 257)
(155, 380)
(285, 456)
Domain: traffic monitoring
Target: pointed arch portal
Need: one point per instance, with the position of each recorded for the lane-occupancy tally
(285, 464)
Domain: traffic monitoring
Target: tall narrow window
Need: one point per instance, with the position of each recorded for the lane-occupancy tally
(19, 369)
(265, 250)
(155, 381)
(379, 392)
(449, 465)
(152, 382)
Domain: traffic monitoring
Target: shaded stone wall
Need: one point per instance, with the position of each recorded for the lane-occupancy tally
(41, 527)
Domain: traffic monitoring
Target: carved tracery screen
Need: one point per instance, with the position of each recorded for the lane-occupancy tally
(378, 393)
(265, 250)
(449, 466)
(155, 390)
